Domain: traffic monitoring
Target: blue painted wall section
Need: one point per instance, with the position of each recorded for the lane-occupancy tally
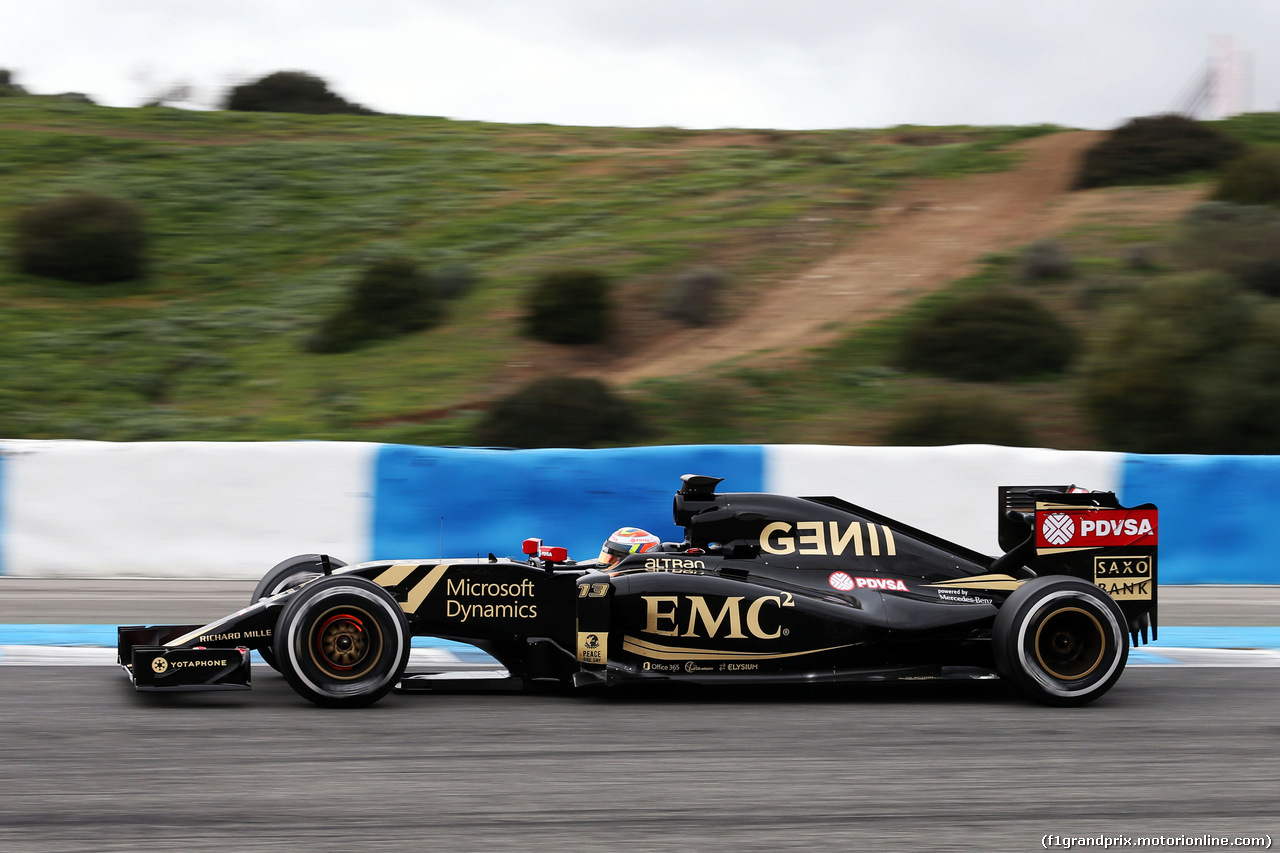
(4, 501)
(462, 502)
(1218, 515)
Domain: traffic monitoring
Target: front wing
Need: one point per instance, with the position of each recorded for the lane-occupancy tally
(152, 666)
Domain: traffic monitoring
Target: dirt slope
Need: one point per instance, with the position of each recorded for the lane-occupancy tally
(934, 232)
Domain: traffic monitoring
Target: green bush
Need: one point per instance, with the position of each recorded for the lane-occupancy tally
(289, 92)
(1098, 290)
(694, 297)
(1192, 366)
(1251, 179)
(1154, 149)
(453, 280)
(83, 237)
(1141, 258)
(957, 419)
(1045, 260)
(1263, 276)
(559, 412)
(1232, 238)
(8, 87)
(390, 298)
(570, 306)
(988, 338)
(394, 294)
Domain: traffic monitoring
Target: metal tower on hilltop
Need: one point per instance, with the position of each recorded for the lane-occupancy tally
(1222, 88)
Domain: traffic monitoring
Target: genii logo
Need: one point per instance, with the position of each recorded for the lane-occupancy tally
(1097, 528)
(828, 538)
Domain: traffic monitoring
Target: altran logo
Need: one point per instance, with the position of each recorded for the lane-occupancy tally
(1058, 528)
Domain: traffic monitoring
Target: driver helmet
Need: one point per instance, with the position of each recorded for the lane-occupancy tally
(626, 541)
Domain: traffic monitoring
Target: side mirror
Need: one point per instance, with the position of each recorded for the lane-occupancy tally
(553, 555)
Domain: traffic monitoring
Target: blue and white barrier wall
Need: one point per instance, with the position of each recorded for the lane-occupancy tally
(232, 510)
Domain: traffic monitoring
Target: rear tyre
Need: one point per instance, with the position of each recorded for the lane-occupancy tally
(290, 573)
(1062, 640)
(342, 642)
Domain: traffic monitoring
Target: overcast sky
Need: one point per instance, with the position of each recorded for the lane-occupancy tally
(688, 63)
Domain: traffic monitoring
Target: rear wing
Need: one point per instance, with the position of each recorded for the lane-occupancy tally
(1067, 530)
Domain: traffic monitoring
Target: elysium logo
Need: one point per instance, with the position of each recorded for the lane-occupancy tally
(1058, 528)
(159, 665)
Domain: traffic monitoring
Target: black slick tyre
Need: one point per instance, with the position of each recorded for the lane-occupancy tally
(342, 642)
(288, 574)
(1062, 640)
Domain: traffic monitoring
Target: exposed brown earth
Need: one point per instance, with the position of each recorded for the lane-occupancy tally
(932, 233)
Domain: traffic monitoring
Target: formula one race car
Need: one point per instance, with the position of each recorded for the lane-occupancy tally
(764, 589)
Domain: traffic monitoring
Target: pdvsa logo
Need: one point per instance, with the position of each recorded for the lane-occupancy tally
(1058, 528)
(1092, 528)
(844, 583)
(1116, 527)
(881, 583)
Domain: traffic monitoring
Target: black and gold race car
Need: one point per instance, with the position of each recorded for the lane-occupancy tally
(764, 589)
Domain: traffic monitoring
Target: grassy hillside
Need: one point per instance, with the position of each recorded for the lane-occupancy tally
(259, 221)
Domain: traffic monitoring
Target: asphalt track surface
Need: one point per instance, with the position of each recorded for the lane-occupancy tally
(90, 765)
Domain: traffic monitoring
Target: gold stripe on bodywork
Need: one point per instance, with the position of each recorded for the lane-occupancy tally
(995, 581)
(644, 648)
(395, 574)
(422, 589)
(1042, 551)
(890, 547)
(211, 628)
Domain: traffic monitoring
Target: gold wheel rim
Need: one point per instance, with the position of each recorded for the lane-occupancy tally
(1070, 643)
(346, 643)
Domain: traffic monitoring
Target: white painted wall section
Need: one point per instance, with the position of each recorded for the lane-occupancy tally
(182, 509)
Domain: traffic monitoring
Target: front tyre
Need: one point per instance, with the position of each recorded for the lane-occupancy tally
(342, 642)
(1062, 640)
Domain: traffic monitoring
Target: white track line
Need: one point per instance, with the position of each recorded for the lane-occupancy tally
(1206, 657)
(437, 659)
(442, 660)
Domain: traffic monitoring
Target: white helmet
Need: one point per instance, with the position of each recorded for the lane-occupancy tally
(626, 541)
